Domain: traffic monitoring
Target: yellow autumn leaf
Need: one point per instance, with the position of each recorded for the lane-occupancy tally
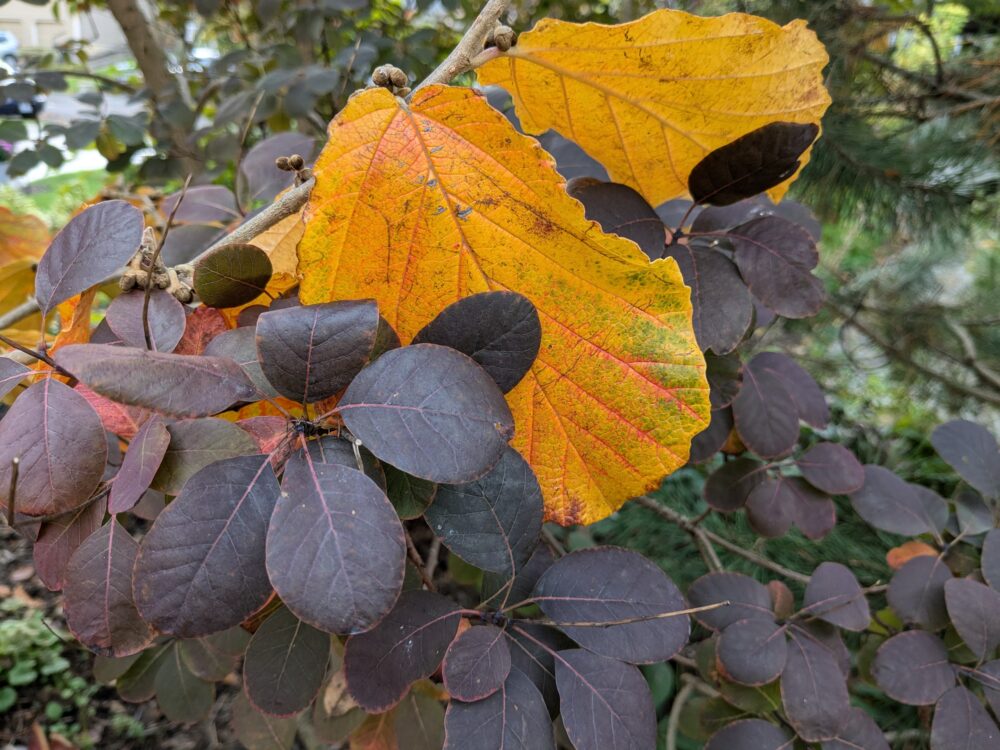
(17, 286)
(420, 205)
(21, 236)
(650, 98)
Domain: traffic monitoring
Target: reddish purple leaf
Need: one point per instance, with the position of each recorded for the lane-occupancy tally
(975, 612)
(810, 403)
(608, 584)
(498, 587)
(720, 300)
(430, 411)
(11, 373)
(728, 487)
(710, 441)
(765, 414)
(477, 663)
(834, 595)
(59, 538)
(771, 506)
(961, 723)
(621, 210)
(240, 345)
(175, 384)
(972, 451)
(59, 442)
(142, 461)
(725, 378)
(859, 733)
(935, 507)
(832, 468)
(202, 204)
(916, 592)
(406, 646)
(335, 549)
(531, 651)
(95, 244)
(605, 704)
(97, 592)
(200, 568)
(167, 319)
(512, 718)
(751, 734)
(748, 599)
(988, 675)
(499, 330)
(751, 164)
(196, 443)
(815, 511)
(311, 353)
(259, 178)
(753, 652)
(776, 257)
(888, 503)
(913, 668)
(990, 560)
(285, 664)
(330, 449)
(813, 688)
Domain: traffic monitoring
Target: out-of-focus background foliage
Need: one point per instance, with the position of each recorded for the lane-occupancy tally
(134, 95)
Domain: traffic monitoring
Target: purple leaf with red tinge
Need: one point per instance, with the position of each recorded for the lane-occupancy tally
(728, 487)
(753, 652)
(974, 608)
(888, 503)
(750, 734)
(513, 718)
(59, 538)
(142, 461)
(815, 511)
(11, 373)
(972, 451)
(961, 723)
(97, 592)
(913, 668)
(621, 210)
(709, 441)
(860, 733)
(834, 595)
(765, 414)
(916, 592)
(748, 599)
(477, 663)
(813, 688)
(771, 506)
(832, 468)
(810, 403)
(166, 319)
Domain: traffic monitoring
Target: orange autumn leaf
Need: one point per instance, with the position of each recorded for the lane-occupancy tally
(17, 286)
(897, 557)
(378, 732)
(650, 98)
(74, 317)
(418, 206)
(22, 236)
(203, 325)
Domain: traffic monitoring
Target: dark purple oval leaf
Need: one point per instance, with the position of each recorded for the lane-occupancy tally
(720, 300)
(97, 594)
(513, 718)
(916, 592)
(813, 688)
(95, 244)
(990, 560)
(285, 664)
(167, 319)
(11, 373)
(988, 675)
(913, 668)
(493, 522)
(832, 468)
(972, 451)
(888, 503)
(961, 723)
(335, 549)
(605, 704)
(585, 589)
(331, 449)
(531, 652)
(214, 657)
(406, 646)
(972, 512)
(309, 353)
(185, 242)
(59, 442)
(815, 512)
(750, 734)
(142, 461)
(725, 377)
(710, 441)
(728, 487)
(178, 385)
(776, 257)
(181, 695)
(834, 595)
(477, 663)
(196, 443)
(748, 599)
(240, 345)
(499, 589)
(259, 178)
(764, 412)
(935, 507)
(430, 411)
(753, 652)
(771, 506)
(621, 210)
(859, 733)
(201, 567)
(810, 403)
(258, 731)
(975, 612)
(201, 204)
(232, 275)
(498, 330)
(59, 538)
(751, 164)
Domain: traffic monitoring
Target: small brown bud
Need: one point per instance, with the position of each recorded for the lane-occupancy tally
(504, 37)
(398, 77)
(282, 163)
(381, 76)
(296, 162)
(303, 175)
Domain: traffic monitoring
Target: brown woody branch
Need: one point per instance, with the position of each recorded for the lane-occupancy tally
(470, 46)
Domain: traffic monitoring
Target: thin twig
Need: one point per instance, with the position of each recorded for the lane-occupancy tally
(626, 620)
(15, 466)
(414, 555)
(674, 722)
(553, 544)
(148, 291)
(433, 554)
(470, 46)
(40, 356)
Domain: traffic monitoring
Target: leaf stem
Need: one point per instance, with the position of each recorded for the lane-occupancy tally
(626, 620)
(417, 560)
(40, 356)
